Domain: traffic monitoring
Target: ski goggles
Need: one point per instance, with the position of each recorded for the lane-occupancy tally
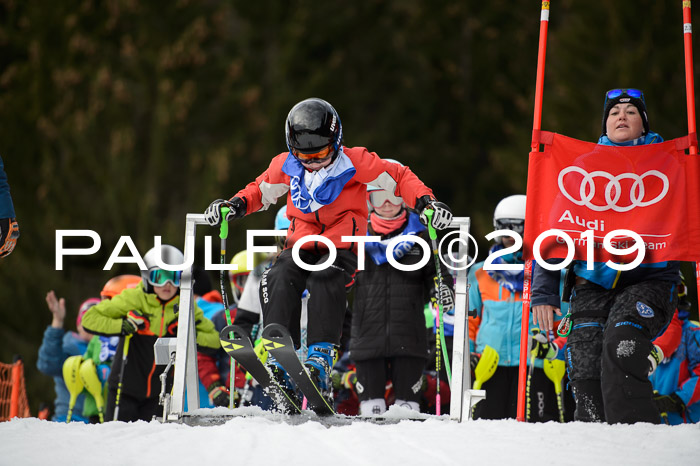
(615, 93)
(515, 224)
(313, 157)
(159, 277)
(379, 197)
(238, 280)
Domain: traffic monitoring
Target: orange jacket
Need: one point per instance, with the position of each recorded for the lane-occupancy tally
(347, 214)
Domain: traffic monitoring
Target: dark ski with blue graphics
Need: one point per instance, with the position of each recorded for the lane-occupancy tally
(278, 342)
(240, 348)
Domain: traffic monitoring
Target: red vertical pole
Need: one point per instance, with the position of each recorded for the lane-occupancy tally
(689, 80)
(536, 126)
(16, 384)
(539, 85)
(690, 93)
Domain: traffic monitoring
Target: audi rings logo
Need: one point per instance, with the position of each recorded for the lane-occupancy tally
(613, 189)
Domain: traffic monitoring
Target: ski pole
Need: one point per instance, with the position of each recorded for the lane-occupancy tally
(438, 403)
(557, 368)
(438, 273)
(528, 401)
(248, 377)
(223, 234)
(125, 353)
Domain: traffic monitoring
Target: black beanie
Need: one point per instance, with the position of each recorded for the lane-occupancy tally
(625, 99)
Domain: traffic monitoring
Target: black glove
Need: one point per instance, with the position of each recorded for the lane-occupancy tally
(447, 297)
(218, 393)
(442, 215)
(9, 232)
(669, 403)
(236, 205)
(541, 347)
(133, 321)
(344, 379)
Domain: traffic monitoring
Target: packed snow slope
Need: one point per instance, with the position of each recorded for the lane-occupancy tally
(265, 440)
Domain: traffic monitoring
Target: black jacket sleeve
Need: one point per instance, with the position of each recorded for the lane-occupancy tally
(545, 287)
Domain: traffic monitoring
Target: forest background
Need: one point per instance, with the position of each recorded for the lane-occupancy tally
(122, 116)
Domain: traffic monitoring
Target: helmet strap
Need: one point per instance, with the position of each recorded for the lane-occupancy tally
(335, 155)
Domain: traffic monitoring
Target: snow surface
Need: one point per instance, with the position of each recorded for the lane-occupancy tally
(264, 440)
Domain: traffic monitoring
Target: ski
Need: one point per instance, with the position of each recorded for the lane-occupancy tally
(240, 348)
(278, 342)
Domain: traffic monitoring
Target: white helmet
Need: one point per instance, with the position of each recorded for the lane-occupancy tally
(169, 255)
(511, 207)
(510, 214)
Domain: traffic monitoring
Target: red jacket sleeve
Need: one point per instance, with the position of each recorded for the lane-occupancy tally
(267, 188)
(671, 338)
(208, 371)
(375, 171)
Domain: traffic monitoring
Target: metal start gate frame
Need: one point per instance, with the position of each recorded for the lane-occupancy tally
(184, 349)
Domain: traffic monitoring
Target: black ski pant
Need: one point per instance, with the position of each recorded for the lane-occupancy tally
(131, 408)
(608, 349)
(284, 282)
(405, 373)
(501, 400)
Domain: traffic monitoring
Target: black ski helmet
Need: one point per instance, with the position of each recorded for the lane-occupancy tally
(312, 125)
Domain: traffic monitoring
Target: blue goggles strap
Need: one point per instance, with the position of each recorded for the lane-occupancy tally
(159, 277)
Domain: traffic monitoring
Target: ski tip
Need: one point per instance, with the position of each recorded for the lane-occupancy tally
(231, 332)
(275, 331)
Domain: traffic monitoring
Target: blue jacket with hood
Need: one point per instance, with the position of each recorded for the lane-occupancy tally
(55, 348)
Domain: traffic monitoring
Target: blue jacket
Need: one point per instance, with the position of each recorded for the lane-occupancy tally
(7, 209)
(680, 374)
(501, 316)
(55, 348)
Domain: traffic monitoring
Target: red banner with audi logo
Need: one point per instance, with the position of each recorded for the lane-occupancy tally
(588, 191)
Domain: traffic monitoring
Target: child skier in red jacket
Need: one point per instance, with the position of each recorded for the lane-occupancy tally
(325, 184)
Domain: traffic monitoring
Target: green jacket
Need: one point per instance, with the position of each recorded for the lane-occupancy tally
(140, 374)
